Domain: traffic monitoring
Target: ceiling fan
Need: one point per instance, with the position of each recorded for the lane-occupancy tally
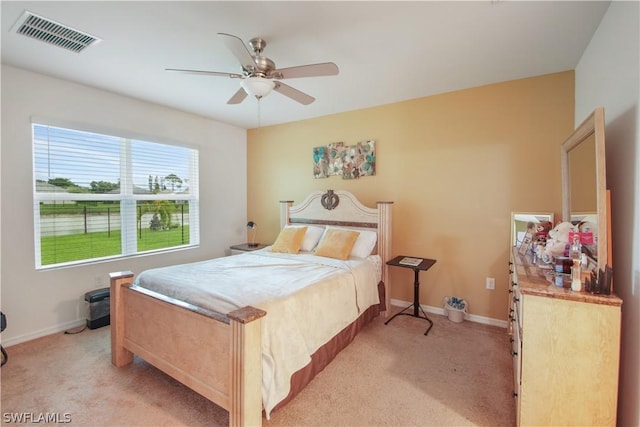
(259, 74)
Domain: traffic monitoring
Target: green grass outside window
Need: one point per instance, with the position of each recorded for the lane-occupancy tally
(74, 247)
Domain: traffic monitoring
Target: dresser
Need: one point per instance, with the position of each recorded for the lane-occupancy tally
(565, 347)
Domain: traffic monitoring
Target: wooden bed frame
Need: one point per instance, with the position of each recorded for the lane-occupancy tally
(219, 355)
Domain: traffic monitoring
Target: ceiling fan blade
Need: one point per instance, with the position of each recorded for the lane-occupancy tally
(239, 50)
(238, 97)
(294, 94)
(312, 70)
(207, 73)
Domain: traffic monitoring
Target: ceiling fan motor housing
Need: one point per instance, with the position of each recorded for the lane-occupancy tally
(264, 66)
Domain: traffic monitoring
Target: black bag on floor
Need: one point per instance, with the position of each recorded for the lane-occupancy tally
(3, 324)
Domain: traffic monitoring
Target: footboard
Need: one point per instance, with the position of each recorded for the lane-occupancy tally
(216, 355)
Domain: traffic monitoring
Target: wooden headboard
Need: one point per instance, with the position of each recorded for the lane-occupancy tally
(342, 209)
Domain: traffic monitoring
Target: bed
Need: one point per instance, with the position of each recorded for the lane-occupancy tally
(252, 348)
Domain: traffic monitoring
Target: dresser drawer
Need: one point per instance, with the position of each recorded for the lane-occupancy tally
(516, 353)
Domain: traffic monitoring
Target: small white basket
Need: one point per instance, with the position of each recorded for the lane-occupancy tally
(455, 314)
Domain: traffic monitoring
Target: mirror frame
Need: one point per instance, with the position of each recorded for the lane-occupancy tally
(592, 125)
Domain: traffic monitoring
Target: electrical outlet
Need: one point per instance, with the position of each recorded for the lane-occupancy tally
(491, 283)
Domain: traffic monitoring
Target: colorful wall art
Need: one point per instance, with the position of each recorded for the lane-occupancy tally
(351, 162)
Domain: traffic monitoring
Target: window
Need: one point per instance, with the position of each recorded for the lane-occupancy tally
(101, 196)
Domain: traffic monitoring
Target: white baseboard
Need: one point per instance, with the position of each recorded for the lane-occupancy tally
(441, 311)
(80, 322)
(43, 332)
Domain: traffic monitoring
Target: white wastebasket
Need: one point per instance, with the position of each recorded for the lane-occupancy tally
(455, 308)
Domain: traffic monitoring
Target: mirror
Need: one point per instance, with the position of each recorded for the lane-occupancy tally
(584, 194)
(521, 222)
(582, 176)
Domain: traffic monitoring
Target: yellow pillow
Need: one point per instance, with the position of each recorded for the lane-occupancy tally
(289, 240)
(337, 243)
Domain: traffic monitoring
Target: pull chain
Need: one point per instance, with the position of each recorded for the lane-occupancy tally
(259, 111)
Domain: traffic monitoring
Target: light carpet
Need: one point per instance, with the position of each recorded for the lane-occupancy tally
(391, 375)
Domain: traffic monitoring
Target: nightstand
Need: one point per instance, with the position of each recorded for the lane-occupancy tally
(245, 247)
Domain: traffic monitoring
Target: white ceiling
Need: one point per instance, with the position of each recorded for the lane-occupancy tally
(386, 51)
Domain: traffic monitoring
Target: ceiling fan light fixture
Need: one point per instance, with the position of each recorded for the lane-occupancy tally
(257, 86)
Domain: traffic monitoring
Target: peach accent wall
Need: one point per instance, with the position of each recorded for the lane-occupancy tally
(456, 165)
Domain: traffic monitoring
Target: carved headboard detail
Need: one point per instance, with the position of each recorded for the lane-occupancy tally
(329, 200)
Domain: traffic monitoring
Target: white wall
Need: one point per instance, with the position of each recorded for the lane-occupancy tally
(607, 75)
(38, 303)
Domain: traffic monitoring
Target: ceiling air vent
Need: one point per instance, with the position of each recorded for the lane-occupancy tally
(46, 30)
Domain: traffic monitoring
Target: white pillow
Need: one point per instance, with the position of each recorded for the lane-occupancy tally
(311, 237)
(364, 245)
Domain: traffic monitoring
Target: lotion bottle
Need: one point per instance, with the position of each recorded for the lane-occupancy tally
(576, 270)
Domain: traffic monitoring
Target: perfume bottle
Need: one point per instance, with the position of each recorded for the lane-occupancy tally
(576, 248)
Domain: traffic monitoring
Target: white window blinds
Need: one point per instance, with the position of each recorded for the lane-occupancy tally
(98, 196)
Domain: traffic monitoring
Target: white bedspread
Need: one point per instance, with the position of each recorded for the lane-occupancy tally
(300, 317)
